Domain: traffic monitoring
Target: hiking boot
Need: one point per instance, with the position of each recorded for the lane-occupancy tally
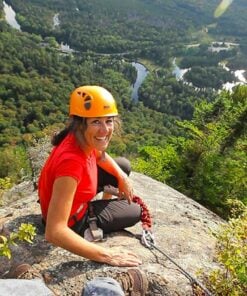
(134, 282)
(23, 271)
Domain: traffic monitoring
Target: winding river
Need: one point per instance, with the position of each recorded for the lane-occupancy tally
(142, 72)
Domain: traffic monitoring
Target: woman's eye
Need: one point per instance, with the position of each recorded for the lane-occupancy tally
(95, 122)
(109, 121)
(98, 122)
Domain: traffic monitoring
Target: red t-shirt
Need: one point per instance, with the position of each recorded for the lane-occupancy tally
(67, 159)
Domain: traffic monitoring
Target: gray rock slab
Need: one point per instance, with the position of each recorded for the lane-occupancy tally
(182, 230)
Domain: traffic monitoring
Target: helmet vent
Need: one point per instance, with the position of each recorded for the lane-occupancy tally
(81, 94)
(88, 98)
(87, 102)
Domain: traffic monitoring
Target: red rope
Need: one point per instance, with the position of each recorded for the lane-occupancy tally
(145, 214)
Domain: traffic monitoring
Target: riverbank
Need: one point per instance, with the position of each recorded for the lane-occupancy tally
(150, 66)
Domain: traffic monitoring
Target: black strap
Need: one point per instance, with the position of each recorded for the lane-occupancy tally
(74, 216)
(92, 221)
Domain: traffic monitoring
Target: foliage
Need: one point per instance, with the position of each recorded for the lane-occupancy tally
(156, 162)
(215, 161)
(205, 65)
(167, 95)
(213, 77)
(14, 164)
(209, 164)
(5, 183)
(36, 83)
(231, 254)
(114, 27)
(237, 207)
(26, 232)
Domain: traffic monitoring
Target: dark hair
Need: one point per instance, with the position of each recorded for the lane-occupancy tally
(77, 125)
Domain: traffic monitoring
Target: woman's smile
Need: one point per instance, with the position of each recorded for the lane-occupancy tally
(99, 132)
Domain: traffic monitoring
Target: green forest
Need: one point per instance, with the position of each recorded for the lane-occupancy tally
(187, 133)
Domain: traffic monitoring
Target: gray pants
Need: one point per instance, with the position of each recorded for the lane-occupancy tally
(112, 215)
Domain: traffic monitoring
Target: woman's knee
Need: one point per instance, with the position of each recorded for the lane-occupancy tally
(104, 178)
(124, 164)
(114, 215)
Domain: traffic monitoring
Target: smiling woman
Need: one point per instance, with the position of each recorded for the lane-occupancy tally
(76, 170)
(99, 132)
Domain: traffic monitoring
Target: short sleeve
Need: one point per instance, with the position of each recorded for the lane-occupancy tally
(69, 168)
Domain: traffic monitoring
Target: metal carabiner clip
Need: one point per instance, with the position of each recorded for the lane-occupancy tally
(147, 238)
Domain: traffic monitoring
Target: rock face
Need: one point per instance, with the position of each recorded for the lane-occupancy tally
(181, 228)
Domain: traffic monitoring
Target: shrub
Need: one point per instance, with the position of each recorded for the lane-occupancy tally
(14, 163)
(231, 278)
(26, 232)
(5, 184)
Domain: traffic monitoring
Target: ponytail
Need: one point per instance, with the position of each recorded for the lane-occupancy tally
(77, 125)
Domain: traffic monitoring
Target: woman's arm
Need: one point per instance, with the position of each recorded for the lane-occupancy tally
(58, 233)
(107, 163)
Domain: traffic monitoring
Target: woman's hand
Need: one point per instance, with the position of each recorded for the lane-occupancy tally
(125, 189)
(122, 257)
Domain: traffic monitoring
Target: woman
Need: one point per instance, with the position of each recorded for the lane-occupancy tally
(76, 170)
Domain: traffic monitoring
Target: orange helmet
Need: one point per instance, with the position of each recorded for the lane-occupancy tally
(92, 101)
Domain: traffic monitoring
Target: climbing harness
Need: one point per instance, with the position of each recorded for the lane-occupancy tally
(93, 233)
(74, 216)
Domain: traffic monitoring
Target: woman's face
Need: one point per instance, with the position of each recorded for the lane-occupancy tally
(98, 132)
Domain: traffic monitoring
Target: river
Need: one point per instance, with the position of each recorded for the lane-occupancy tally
(10, 16)
(239, 74)
(142, 72)
(178, 72)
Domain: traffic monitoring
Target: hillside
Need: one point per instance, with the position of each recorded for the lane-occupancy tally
(37, 77)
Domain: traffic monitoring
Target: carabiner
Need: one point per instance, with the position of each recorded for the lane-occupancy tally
(147, 238)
